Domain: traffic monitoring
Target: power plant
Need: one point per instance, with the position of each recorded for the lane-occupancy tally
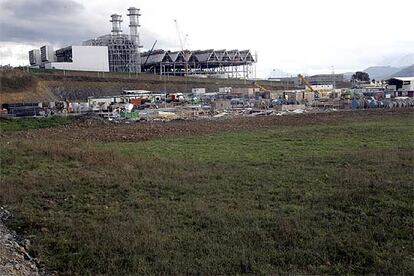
(118, 52)
(123, 50)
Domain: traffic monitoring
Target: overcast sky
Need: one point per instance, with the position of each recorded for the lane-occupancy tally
(296, 36)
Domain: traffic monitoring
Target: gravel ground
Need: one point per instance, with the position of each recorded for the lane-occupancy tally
(14, 259)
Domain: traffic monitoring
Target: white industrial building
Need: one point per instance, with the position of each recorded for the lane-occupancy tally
(47, 54)
(403, 86)
(114, 52)
(35, 57)
(81, 58)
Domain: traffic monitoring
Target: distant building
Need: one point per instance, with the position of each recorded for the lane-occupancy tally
(287, 82)
(325, 79)
(404, 86)
(35, 58)
(47, 54)
(81, 58)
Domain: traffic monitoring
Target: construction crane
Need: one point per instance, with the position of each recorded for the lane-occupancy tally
(183, 40)
(150, 52)
(182, 43)
(305, 81)
(260, 87)
(302, 78)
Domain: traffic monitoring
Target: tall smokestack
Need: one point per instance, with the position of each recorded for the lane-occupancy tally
(134, 33)
(116, 20)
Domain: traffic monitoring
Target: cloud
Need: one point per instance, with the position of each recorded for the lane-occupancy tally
(55, 21)
(41, 8)
(58, 22)
(6, 52)
(295, 36)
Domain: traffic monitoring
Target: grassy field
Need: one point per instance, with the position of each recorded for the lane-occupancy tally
(308, 199)
(32, 123)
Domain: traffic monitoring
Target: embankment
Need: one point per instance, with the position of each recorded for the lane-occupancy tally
(78, 86)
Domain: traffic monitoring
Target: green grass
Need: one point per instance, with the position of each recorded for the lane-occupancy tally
(32, 123)
(334, 199)
(287, 143)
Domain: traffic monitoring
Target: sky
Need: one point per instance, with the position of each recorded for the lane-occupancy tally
(294, 36)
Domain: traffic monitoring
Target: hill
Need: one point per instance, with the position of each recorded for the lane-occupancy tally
(402, 60)
(406, 72)
(381, 72)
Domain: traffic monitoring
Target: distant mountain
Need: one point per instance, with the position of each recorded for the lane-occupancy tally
(348, 75)
(406, 72)
(403, 60)
(382, 72)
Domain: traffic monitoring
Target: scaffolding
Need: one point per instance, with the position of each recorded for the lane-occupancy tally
(123, 50)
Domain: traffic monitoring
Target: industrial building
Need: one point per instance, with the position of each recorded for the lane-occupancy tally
(81, 58)
(47, 54)
(123, 54)
(123, 50)
(403, 86)
(233, 63)
(325, 79)
(35, 58)
(115, 52)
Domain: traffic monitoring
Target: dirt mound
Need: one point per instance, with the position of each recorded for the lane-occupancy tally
(94, 130)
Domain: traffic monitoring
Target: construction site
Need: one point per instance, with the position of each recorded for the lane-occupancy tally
(117, 52)
(123, 159)
(119, 96)
(111, 75)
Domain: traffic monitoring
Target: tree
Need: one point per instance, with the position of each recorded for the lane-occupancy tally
(360, 76)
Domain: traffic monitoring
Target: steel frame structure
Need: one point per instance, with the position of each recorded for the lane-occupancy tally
(122, 52)
(234, 63)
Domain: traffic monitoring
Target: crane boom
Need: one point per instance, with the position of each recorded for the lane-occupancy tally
(179, 34)
(260, 87)
(152, 49)
(182, 45)
(306, 83)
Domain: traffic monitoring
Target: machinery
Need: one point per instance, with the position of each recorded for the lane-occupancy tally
(182, 44)
(260, 87)
(302, 78)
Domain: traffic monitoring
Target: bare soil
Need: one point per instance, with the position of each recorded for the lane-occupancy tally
(94, 130)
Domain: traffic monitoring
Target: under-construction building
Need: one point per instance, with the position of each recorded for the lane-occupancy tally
(229, 63)
(123, 50)
(117, 52)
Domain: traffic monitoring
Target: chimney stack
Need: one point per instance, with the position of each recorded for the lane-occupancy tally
(134, 24)
(134, 33)
(116, 20)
